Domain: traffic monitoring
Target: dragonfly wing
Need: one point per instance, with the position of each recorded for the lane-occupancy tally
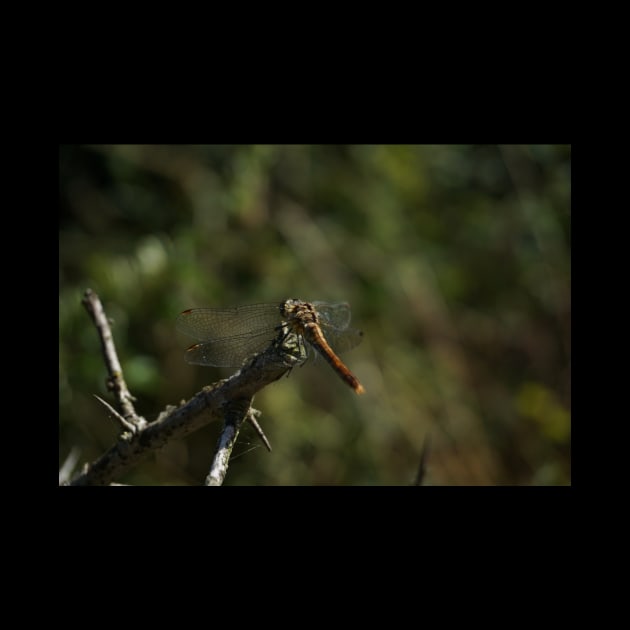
(334, 320)
(337, 315)
(342, 340)
(207, 324)
(229, 351)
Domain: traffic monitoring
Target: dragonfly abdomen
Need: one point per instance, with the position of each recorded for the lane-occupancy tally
(313, 334)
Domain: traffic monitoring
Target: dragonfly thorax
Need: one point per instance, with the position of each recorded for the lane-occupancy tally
(299, 315)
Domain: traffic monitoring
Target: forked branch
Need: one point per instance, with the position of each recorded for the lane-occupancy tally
(227, 400)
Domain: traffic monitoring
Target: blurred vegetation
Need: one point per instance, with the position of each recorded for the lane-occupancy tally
(456, 260)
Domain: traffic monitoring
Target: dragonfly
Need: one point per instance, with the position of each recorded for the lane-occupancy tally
(229, 336)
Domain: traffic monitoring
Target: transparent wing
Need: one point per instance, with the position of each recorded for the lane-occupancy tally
(334, 320)
(342, 340)
(337, 315)
(229, 336)
(229, 351)
(207, 324)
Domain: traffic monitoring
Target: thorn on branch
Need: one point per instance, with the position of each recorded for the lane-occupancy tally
(129, 426)
(251, 417)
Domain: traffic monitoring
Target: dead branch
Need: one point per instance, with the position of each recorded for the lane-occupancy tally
(115, 381)
(235, 413)
(228, 400)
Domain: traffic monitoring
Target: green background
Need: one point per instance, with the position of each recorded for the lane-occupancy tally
(455, 259)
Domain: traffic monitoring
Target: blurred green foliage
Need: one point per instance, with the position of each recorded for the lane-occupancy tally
(456, 260)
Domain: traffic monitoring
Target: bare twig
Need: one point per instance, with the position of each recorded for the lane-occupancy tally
(115, 382)
(424, 456)
(235, 413)
(206, 406)
(68, 465)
